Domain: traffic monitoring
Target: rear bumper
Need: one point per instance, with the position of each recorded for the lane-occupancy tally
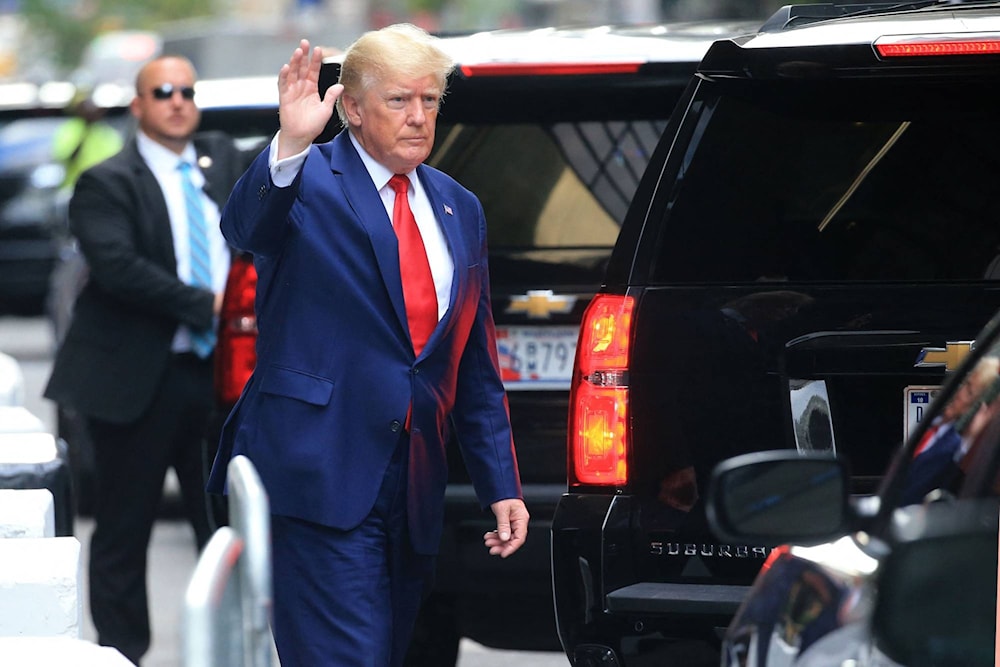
(655, 598)
(606, 614)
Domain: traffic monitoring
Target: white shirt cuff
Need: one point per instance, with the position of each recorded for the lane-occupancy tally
(284, 171)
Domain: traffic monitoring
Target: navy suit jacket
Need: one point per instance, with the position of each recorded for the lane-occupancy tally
(336, 372)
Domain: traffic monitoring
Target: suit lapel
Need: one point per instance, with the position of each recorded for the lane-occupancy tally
(155, 224)
(211, 169)
(367, 205)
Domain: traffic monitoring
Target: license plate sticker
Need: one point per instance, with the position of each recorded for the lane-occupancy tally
(916, 400)
(539, 357)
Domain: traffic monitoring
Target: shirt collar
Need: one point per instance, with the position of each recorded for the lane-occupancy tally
(160, 158)
(379, 173)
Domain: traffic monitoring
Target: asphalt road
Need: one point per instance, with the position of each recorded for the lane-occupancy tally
(172, 554)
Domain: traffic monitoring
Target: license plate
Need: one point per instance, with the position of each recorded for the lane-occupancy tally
(916, 399)
(536, 357)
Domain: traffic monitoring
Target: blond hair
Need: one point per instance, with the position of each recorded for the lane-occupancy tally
(402, 50)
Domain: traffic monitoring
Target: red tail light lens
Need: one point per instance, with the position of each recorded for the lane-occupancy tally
(236, 351)
(937, 45)
(598, 428)
(550, 69)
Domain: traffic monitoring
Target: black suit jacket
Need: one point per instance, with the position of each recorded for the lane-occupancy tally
(117, 347)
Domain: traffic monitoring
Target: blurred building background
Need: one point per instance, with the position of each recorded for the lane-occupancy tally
(81, 40)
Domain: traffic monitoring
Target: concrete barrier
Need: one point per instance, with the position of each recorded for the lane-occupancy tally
(40, 588)
(58, 652)
(11, 381)
(39, 461)
(19, 419)
(26, 513)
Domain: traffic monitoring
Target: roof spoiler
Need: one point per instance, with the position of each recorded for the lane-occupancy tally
(794, 15)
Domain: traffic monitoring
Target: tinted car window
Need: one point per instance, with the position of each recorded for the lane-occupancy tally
(848, 183)
(557, 202)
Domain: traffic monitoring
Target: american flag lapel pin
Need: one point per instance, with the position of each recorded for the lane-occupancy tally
(447, 209)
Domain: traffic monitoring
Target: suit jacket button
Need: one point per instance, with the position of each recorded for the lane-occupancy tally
(395, 425)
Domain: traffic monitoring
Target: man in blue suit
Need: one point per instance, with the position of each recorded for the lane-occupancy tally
(352, 402)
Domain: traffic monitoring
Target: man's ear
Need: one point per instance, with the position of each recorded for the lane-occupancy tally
(352, 109)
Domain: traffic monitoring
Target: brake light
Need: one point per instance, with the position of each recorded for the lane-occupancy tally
(598, 420)
(938, 45)
(236, 349)
(549, 69)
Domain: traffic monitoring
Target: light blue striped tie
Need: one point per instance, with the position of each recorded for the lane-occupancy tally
(202, 341)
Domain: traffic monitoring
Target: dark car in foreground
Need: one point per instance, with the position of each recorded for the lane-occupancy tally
(905, 577)
(814, 238)
(552, 129)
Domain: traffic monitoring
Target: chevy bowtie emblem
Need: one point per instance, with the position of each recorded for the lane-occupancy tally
(540, 304)
(949, 356)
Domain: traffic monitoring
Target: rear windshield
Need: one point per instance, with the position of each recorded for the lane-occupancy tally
(839, 181)
(553, 193)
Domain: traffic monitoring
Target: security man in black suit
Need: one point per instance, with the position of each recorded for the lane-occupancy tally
(136, 361)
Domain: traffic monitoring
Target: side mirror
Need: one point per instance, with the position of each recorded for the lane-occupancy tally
(937, 589)
(778, 497)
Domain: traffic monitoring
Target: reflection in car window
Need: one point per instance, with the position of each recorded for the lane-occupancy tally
(837, 182)
(962, 439)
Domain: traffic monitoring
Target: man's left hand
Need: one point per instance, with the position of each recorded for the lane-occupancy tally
(512, 527)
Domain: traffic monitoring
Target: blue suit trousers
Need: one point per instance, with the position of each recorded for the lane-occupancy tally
(349, 598)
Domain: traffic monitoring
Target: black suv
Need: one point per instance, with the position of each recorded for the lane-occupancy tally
(552, 129)
(814, 238)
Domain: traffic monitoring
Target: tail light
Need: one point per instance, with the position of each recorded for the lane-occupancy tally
(550, 69)
(896, 46)
(236, 351)
(598, 415)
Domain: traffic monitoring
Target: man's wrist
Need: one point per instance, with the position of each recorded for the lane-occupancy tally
(285, 169)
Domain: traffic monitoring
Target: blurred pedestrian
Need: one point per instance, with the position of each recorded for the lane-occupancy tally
(84, 139)
(376, 339)
(136, 361)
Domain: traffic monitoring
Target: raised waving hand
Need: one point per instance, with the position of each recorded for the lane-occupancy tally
(303, 114)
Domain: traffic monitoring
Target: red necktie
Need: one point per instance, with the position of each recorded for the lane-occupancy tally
(414, 269)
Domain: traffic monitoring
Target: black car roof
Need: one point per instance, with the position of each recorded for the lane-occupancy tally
(659, 42)
(849, 46)
(571, 73)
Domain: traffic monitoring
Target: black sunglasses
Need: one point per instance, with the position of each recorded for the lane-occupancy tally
(167, 90)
